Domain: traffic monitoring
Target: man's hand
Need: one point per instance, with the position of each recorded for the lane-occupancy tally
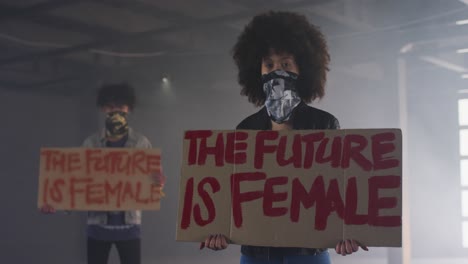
(47, 209)
(158, 178)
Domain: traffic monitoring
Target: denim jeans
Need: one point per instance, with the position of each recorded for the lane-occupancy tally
(98, 251)
(322, 258)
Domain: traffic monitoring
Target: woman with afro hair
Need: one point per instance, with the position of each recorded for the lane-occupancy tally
(283, 62)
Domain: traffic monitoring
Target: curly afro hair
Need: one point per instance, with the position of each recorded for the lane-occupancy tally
(117, 94)
(282, 32)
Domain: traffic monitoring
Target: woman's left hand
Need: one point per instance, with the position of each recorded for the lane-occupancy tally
(349, 246)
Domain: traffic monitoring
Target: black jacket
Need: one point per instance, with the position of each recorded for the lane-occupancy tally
(303, 117)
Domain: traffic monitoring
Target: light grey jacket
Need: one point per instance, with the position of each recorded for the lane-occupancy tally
(98, 140)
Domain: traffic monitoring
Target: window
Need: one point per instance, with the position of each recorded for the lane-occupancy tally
(463, 123)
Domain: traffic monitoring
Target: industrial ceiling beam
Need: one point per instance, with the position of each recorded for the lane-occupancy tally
(9, 13)
(132, 37)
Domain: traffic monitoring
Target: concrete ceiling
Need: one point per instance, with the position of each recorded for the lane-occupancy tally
(59, 44)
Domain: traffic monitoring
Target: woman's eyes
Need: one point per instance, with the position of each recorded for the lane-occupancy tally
(269, 65)
(284, 65)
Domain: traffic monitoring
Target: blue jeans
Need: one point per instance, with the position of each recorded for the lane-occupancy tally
(129, 251)
(322, 258)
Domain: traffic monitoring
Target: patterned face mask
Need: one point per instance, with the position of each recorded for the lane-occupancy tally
(281, 96)
(116, 124)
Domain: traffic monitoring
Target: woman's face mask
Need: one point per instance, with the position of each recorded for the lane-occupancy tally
(281, 96)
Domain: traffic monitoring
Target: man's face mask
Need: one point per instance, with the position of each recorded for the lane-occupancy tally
(281, 96)
(116, 124)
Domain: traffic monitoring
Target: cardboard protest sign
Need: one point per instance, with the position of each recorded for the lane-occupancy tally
(309, 188)
(104, 179)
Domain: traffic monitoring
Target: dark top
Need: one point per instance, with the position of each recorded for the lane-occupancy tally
(303, 117)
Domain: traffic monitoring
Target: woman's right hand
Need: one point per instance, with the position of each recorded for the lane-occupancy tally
(47, 209)
(215, 242)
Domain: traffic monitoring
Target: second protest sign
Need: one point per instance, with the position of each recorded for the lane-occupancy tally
(104, 179)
